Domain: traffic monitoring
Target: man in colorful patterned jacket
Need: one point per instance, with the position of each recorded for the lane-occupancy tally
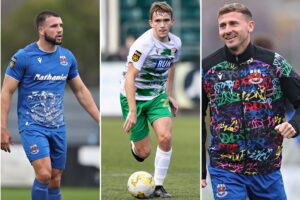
(245, 87)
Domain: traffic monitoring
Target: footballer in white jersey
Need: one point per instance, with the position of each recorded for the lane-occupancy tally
(153, 59)
(147, 92)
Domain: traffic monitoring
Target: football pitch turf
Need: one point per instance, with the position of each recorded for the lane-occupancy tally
(183, 179)
(68, 193)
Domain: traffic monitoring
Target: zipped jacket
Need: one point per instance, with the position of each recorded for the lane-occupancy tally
(246, 98)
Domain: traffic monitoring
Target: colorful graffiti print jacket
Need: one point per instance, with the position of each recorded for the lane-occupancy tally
(246, 96)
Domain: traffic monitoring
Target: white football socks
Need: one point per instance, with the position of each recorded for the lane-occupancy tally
(132, 147)
(161, 164)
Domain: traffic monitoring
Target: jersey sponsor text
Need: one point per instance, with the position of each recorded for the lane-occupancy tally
(165, 63)
(49, 77)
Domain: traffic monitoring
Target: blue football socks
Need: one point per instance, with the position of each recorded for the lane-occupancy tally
(54, 194)
(39, 191)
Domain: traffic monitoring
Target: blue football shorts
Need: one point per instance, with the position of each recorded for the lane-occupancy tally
(43, 143)
(235, 186)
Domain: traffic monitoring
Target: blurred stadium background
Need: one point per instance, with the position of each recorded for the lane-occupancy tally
(81, 177)
(122, 21)
(279, 23)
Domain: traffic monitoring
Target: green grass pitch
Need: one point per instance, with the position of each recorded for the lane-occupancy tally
(183, 179)
(68, 193)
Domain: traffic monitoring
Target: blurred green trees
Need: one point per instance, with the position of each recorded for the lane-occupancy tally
(81, 31)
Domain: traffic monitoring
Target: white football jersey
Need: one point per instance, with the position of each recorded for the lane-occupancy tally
(153, 59)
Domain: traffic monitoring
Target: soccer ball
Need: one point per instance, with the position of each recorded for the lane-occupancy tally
(141, 184)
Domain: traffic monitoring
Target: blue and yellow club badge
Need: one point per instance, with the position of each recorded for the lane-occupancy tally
(12, 62)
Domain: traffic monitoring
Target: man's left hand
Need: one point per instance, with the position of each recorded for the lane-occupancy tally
(286, 130)
(203, 183)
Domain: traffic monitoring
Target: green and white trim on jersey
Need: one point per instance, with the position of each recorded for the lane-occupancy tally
(153, 59)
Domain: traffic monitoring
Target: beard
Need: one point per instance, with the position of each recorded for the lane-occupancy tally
(52, 40)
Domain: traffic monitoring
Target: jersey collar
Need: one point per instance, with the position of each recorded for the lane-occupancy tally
(44, 50)
(243, 57)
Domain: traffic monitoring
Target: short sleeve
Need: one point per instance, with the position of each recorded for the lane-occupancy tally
(73, 68)
(178, 51)
(17, 65)
(138, 53)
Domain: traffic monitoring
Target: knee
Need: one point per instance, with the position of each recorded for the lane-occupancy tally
(143, 152)
(55, 181)
(164, 141)
(44, 176)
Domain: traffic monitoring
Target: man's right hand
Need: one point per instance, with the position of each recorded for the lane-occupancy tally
(6, 140)
(173, 105)
(130, 121)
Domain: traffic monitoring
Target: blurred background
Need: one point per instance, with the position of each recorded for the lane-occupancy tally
(81, 35)
(277, 26)
(123, 21)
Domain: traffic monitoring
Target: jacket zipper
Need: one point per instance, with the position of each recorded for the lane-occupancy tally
(243, 130)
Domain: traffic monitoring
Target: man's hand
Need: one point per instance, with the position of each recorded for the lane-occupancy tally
(130, 121)
(6, 140)
(173, 105)
(286, 130)
(203, 183)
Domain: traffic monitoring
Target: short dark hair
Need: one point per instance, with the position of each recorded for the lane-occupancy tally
(235, 7)
(41, 17)
(160, 7)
